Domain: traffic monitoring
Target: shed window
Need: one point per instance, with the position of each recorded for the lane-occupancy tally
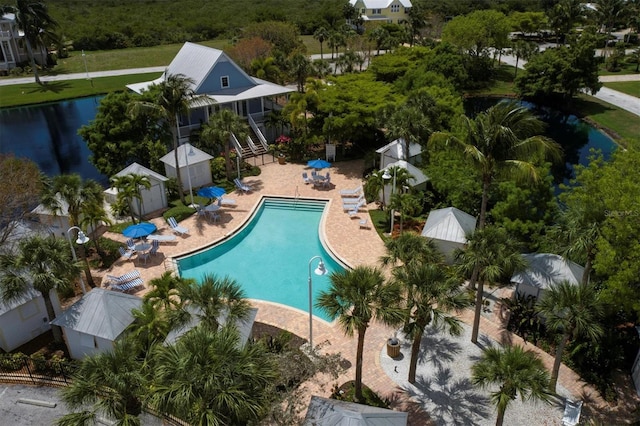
(224, 81)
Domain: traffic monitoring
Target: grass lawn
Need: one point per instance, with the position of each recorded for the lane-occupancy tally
(629, 87)
(623, 123)
(31, 93)
(626, 68)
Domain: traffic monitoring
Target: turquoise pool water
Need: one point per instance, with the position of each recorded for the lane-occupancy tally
(270, 256)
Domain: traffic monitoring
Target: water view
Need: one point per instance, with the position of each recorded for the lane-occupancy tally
(47, 134)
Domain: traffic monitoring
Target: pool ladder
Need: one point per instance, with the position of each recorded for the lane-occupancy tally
(296, 195)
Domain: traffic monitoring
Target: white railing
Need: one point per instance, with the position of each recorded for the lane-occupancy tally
(236, 145)
(256, 130)
(252, 146)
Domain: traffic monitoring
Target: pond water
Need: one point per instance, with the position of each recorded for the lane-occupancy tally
(576, 137)
(48, 135)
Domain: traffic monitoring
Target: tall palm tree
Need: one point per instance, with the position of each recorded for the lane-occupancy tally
(126, 193)
(213, 298)
(92, 218)
(211, 378)
(503, 141)
(410, 248)
(493, 254)
(572, 311)
(222, 126)
(357, 297)
(42, 263)
(110, 384)
(164, 291)
(33, 19)
(515, 371)
(171, 98)
(78, 195)
(525, 50)
(433, 293)
(321, 34)
(150, 326)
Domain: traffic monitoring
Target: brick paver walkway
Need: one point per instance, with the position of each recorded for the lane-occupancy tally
(354, 246)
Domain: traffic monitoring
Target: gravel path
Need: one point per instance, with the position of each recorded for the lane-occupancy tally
(444, 389)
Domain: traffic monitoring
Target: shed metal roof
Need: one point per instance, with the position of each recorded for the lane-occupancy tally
(332, 412)
(195, 156)
(8, 305)
(139, 169)
(101, 313)
(418, 177)
(449, 224)
(547, 269)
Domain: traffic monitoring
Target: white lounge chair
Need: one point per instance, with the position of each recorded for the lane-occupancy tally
(161, 238)
(226, 202)
(129, 285)
(177, 228)
(352, 203)
(242, 186)
(356, 209)
(129, 276)
(351, 193)
(572, 412)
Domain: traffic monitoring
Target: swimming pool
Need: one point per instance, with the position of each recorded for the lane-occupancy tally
(269, 257)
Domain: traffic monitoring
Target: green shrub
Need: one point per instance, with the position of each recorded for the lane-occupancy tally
(180, 212)
(12, 362)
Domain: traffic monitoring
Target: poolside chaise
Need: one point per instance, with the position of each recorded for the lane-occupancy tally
(349, 193)
(356, 208)
(242, 186)
(161, 238)
(350, 204)
(129, 276)
(226, 202)
(177, 228)
(129, 285)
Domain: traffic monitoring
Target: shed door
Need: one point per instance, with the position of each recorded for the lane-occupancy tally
(153, 200)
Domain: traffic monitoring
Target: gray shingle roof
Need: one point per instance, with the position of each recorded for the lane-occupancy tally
(101, 313)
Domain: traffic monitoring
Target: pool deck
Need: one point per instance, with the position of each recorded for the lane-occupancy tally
(354, 246)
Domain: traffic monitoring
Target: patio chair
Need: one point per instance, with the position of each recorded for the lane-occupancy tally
(155, 246)
(305, 178)
(131, 244)
(356, 209)
(242, 186)
(326, 183)
(127, 254)
(351, 193)
(177, 228)
(572, 411)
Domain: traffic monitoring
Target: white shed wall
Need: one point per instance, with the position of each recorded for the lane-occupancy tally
(21, 324)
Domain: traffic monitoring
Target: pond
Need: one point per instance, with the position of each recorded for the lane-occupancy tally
(48, 135)
(576, 137)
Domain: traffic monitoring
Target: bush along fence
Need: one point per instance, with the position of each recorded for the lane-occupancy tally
(36, 369)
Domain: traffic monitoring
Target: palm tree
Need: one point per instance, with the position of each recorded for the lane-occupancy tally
(92, 218)
(525, 50)
(219, 131)
(214, 298)
(171, 98)
(320, 68)
(357, 297)
(78, 195)
(129, 187)
(503, 141)
(406, 203)
(211, 378)
(493, 254)
(164, 291)
(515, 371)
(571, 311)
(321, 34)
(433, 293)
(150, 326)
(266, 69)
(37, 25)
(42, 263)
(110, 384)
(410, 248)
(301, 68)
(409, 121)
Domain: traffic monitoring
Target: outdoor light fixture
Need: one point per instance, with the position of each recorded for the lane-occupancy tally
(191, 153)
(82, 239)
(320, 270)
(386, 176)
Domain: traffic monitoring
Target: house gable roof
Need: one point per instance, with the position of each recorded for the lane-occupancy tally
(547, 269)
(449, 224)
(138, 169)
(332, 412)
(6, 306)
(101, 313)
(395, 150)
(418, 177)
(380, 4)
(195, 156)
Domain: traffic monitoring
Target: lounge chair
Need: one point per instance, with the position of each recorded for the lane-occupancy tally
(572, 411)
(129, 276)
(161, 238)
(129, 285)
(351, 193)
(305, 178)
(364, 223)
(242, 186)
(226, 202)
(127, 254)
(356, 209)
(177, 228)
(350, 204)
(131, 244)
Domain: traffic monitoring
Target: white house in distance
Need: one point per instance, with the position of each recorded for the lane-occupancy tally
(195, 170)
(448, 228)
(154, 198)
(95, 322)
(222, 84)
(13, 49)
(56, 221)
(545, 270)
(385, 11)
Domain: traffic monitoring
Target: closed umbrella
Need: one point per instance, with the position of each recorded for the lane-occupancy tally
(318, 164)
(139, 230)
(211, 192)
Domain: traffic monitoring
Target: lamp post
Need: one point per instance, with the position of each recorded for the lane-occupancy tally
(386, 176)
(320, 270)
(191, 153)
(82, 239)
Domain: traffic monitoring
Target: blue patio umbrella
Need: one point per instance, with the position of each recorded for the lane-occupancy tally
(318, 164)
(211, 192)
(139, 230)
